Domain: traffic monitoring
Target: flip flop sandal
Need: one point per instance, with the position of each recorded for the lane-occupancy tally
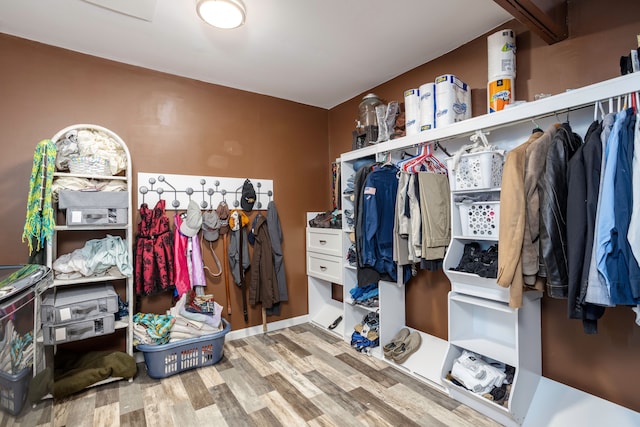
(335, 323)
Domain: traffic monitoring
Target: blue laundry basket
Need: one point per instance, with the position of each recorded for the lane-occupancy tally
(167, 359)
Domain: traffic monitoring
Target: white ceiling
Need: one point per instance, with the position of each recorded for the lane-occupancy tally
(316, 52)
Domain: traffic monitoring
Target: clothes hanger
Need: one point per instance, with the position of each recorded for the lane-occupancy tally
(405, 163)
(537, 128)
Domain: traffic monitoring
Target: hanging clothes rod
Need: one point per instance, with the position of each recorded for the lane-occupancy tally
(208, 192)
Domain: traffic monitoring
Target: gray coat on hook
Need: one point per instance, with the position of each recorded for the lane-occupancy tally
(275, 234)
(234, 255)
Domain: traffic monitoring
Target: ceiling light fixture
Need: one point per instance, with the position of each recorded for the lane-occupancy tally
(225, 14)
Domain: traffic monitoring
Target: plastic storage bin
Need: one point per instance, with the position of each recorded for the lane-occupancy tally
(476, 171)
(480, 219)
(79, 303)
(13, 390)
(168, 359)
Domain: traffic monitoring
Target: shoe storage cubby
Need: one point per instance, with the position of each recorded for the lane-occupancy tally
(498, 332)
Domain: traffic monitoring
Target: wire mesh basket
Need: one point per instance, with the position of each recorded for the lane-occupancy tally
(89, 165)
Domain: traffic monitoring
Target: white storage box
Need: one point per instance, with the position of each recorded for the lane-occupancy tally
(480, 219)
(476, 171)
(79, 330)
(78, 303)
(94, 207)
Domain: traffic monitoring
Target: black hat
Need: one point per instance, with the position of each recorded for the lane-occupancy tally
(248, 196)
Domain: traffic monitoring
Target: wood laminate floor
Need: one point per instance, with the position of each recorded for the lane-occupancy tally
(298, 376)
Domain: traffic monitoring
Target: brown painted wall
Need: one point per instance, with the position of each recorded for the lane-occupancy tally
(181, 126)
(171, 125)
(606, 364)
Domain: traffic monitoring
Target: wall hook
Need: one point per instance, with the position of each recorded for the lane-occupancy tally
(175, 202)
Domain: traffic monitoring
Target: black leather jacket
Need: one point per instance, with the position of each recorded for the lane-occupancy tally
(553, 210)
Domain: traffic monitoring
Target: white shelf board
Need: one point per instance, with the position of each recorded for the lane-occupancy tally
(82, 280)
(90, 227)
(327, 314)
(557, 405)
(426, 362)
(545, 107)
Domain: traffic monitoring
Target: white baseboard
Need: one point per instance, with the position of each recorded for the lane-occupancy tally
(273, 326)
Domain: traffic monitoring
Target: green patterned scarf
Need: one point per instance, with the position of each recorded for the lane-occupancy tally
(38, 227)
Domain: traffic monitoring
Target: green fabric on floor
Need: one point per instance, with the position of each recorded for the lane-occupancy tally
(74, 372)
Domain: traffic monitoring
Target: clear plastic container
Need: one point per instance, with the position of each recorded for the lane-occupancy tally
(367, 110)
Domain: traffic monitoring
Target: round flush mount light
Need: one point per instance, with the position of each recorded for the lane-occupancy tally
(225, 14)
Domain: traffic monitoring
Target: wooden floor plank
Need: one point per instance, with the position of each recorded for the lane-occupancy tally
(133, 419)
(229, 406)
(108, 394)
(106, 415)
(241, 386)
(210, 376)
(300, 404)
(335, 413)
(297, 376)
(210, 416)
(130, 397)
(81, 411)
(156, 407)
(421, 388)
(335, 393)
(265, 418)
(258, 360)
(299, 381)
(183, 414)
(391, 415)
(282, 409)
(366, 369)
(198, 392)
(283, 340)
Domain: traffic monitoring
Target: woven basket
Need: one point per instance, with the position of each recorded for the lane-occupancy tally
(89, 165)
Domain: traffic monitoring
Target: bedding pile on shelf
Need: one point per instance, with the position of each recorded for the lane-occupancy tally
(96, 258)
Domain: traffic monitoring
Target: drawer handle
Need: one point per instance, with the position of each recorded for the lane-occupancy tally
(323, 268)
(323, 242)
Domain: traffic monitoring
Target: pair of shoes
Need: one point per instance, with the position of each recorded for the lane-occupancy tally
(335, 323)
(395, 342)
(407, 347)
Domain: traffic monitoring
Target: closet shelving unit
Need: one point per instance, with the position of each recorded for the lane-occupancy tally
(77, 235)
(479, 317)
(324, 267)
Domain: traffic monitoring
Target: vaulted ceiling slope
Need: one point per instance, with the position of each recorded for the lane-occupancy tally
(315, 52)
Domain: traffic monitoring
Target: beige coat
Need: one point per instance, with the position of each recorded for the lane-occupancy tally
(513, 207)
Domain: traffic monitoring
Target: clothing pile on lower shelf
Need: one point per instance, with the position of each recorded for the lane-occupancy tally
(366, 296)
(488, 378)
(483, 262)
(365, 335)
(185, 320)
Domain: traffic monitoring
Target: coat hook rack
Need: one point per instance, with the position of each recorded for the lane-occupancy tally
(185, 188)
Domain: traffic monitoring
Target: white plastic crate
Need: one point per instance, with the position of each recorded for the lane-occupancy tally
(476, 171)
(480, 219)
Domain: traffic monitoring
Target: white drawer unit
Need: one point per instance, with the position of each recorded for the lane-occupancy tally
(324, 267)
(325, 241)
(325, 270)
